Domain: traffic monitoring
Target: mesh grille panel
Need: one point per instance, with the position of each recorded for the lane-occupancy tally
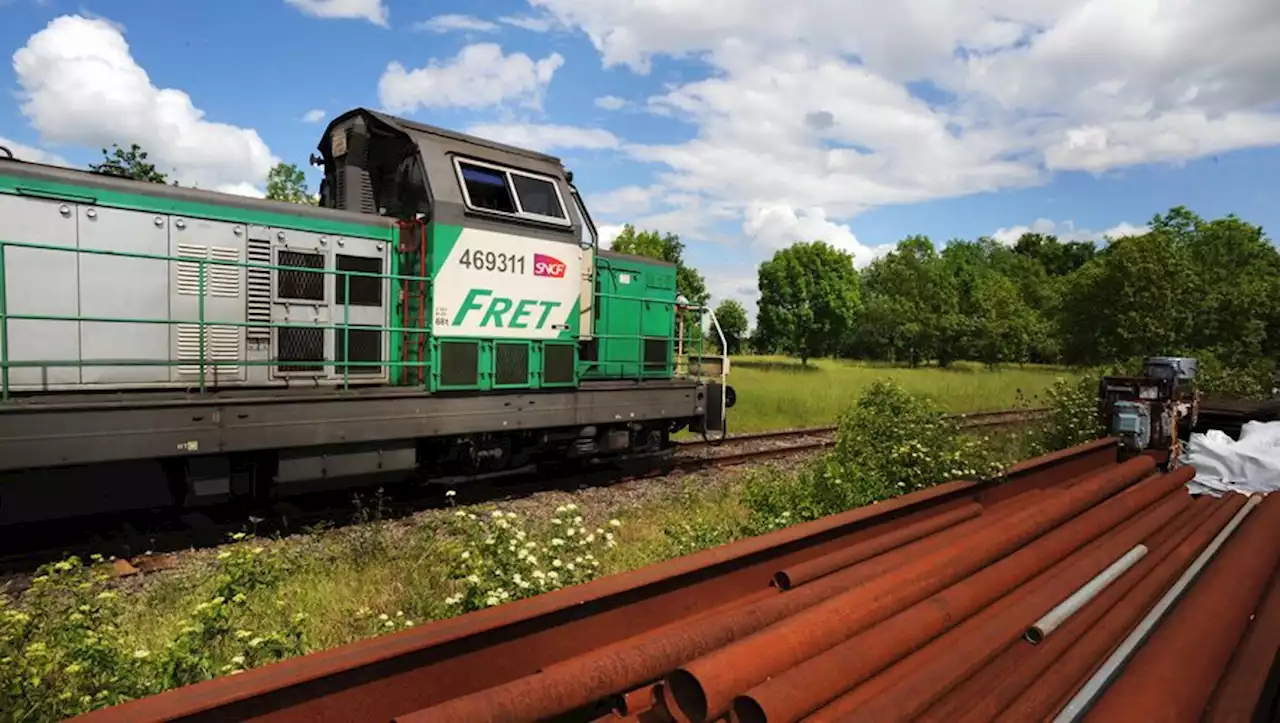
(557, 361)
(365, 346)
(365, 290)
(655, 353)
(296, 345)
(306, 285)
(459, 363)
(512, 364)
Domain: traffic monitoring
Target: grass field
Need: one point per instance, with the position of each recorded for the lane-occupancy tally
(780, 393)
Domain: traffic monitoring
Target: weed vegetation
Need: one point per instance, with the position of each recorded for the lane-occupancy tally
(77, 639)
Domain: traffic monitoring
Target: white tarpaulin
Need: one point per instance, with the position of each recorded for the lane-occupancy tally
(1248, 465)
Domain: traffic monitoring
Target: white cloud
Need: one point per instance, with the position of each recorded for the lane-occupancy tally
(608, 232)
(32, 154)
(780, 226)
(738, 282)
(456, 23)
(1066, 231)
(242, 189)
(480, 75)
(1124, 229)
(372, 10)
(532, 23)
(313, 116)
(546, 138)
(610, 102)
(1174, 136)
(79, 84)
(627, 201)
(1015, 90)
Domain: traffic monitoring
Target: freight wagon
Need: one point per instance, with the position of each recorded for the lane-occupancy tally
(444, 312)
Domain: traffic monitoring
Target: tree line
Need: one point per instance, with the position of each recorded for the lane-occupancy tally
(285, 181)
(1188, 285)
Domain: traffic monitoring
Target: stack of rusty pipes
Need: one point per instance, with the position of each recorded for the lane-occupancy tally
(901, 626)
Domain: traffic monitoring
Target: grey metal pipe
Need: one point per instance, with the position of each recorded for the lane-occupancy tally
(1096, 685)
(1065, 609)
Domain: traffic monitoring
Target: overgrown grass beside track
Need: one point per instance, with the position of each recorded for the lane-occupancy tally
(78, 640)
(780, 393)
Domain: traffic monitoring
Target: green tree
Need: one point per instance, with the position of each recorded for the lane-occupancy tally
(1133, 300)
(913, 302)
(809, 299)
(733, 322)
(1006, 327)
(131, 163)
(286, 182)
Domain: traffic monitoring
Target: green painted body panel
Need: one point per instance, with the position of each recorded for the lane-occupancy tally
(212, 211)
(635, 302)
(496, 301)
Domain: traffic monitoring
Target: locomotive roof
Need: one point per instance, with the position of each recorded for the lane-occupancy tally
(414, 128)
(69, 184)
(438, 150)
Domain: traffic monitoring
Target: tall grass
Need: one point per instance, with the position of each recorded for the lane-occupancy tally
(779, 393)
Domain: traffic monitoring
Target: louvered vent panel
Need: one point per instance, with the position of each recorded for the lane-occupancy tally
(220, 279)
(221, 349)
(259, 288)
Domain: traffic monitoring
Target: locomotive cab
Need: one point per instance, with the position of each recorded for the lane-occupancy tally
(510, 262)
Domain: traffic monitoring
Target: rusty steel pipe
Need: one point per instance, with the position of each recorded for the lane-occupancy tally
(988, 637)
(984, 695)
(1242, 685)
(637, 701)
(1173, 675)
(1097, 684)
(944, 645)
(705, 687)
(629, 663)
(827, 564)
(941, 646)
(1055, 565)
(1040, 699)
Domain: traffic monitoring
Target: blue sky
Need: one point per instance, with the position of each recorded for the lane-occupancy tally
(739, 129)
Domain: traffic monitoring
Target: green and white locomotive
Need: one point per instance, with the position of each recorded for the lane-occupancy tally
(444, 311)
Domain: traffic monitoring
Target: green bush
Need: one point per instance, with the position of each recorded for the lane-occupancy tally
(63, 651)
(500, 557)
(888, 443)
(1073, 415)
(1252, 381)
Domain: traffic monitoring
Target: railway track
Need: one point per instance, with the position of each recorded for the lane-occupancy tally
(127, 536)
(914, 608)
